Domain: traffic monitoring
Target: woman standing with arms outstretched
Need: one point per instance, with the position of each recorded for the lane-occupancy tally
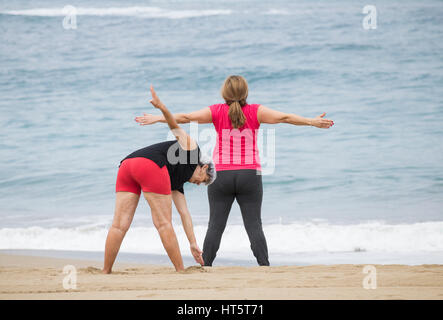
(237, 164)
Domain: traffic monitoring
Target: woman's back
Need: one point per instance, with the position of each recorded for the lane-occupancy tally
(235, 148)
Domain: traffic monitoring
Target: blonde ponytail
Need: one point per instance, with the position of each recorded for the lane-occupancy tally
(236, 115)
(235, 92)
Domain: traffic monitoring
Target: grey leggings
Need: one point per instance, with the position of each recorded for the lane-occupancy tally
(246, 187)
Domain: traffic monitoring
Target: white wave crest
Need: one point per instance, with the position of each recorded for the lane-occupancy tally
(144, 12)
(285, 240)
(277, 12)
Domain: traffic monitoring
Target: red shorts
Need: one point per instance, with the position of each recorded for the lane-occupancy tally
(137, 174)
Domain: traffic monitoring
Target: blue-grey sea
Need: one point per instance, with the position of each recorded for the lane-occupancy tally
(369, 189)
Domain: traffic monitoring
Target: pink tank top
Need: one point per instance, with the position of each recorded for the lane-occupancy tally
(235, 149)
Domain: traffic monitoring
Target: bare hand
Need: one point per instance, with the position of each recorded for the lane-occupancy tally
(155, 101)
(146, 119)
(197, 254)
(319, 122)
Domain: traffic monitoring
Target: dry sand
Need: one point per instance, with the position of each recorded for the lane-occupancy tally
(30, 277)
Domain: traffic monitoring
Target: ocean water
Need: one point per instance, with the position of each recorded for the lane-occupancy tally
(368, 189)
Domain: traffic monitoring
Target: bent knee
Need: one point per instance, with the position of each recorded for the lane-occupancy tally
(120, 227)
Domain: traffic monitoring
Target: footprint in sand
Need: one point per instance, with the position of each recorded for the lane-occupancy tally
(194, 269)
(94, 270)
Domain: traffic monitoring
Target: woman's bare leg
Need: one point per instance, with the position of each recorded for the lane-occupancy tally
(161, 210)
(125, 205)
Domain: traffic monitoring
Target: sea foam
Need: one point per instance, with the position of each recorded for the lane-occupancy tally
(283, 240)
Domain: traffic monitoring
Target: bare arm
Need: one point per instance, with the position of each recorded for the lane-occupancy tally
(267, 115)
(200, 116)
(182, 208)
(185, 141)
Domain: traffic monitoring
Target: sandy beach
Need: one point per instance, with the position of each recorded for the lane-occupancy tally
(30, 277)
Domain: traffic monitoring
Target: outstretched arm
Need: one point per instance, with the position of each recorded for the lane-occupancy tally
(267, 115)
(185, 141)
(200, 116)
(182, 208)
